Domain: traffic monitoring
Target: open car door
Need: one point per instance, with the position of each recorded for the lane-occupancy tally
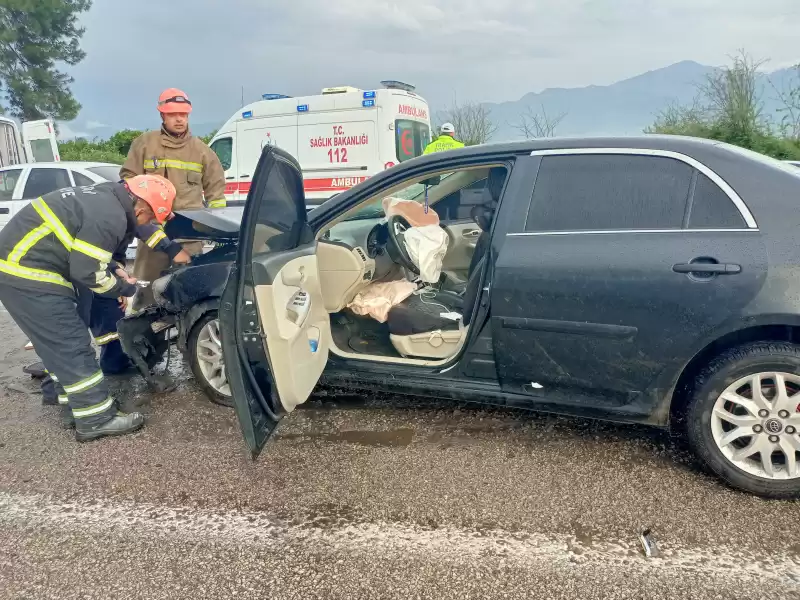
(275, 329)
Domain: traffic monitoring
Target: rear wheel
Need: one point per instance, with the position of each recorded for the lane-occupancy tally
(207, 362)
(743, 418)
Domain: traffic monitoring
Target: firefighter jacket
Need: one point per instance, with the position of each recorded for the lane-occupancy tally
(442, 143)
(152, 235)
(69, 236)
(186, 161)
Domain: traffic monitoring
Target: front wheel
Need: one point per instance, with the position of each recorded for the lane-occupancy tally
(743, 418)
(206, 360)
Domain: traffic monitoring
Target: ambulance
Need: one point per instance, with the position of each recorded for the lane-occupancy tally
(36, 143)
(339, 137)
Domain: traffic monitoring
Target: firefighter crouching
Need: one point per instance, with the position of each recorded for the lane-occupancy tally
(194, 169)
(69, 237)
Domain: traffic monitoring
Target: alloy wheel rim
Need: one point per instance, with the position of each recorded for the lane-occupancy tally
(210, 359)
(755, 424)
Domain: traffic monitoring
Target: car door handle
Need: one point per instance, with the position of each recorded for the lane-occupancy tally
(708, 268)
(231, 177)
(245, 175)
(472, 233)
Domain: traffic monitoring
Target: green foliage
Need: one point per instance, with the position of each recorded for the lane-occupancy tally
(100, 151)
(35, 36)
(729, 109)
(113, 150)
(207, 138)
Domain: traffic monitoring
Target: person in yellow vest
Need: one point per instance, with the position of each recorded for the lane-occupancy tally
(193, 168)
(446, 141)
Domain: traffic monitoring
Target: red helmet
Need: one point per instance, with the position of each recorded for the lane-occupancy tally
(157, 191)
(174, 100)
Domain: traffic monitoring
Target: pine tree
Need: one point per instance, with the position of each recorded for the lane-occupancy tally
(34, 36)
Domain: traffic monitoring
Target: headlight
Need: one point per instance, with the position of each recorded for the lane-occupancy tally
(158, 287)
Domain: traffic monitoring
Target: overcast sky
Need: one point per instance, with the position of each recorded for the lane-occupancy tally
(483, 50)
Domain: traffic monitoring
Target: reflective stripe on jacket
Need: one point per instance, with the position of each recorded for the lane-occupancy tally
(69, 236)
(442, 143)
(192, 167)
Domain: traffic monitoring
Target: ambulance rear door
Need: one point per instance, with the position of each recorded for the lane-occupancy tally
(252, 135)
(223, 146)
(39, 138)
(337, 144)
(409, 131)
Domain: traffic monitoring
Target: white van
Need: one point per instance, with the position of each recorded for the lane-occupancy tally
(340, 137)
(37, 143)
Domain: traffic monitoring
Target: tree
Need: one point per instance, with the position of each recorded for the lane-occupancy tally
(533, 124)
(472, 122)
(790, 98)
(35, 35)
(728, 108)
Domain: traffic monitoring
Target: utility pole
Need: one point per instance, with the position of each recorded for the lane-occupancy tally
(242, 95)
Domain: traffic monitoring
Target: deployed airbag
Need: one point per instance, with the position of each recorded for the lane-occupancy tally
(427, 247)
(377, 299)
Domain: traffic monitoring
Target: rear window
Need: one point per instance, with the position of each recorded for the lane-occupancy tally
(44, 181)
(8, 181)
(411, 137)
(107, 172)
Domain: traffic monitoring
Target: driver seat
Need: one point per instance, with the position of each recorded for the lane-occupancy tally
(417, 328)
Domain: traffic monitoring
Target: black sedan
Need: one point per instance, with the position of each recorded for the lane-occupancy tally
(649, 280)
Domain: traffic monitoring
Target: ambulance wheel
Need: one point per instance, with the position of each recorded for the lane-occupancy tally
(206, 360)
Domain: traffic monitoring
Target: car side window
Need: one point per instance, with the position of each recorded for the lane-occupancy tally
(81, 180)
(223, 148)
(8, 181)
(596, 192)
(44, 181)
(712, 208)
(458, 205)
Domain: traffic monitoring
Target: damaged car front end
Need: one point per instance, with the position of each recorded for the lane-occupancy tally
(186, 304)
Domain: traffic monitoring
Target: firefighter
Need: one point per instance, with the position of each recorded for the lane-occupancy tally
(67, 238)
(105, 312)
(101, 313)
(446, 141)
(194, 169)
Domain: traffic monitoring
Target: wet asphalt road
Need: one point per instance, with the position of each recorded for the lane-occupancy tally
(368, 498)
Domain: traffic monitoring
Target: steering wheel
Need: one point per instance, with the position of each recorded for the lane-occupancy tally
(397, 226)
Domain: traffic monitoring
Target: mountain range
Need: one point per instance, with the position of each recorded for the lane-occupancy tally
(623, 108)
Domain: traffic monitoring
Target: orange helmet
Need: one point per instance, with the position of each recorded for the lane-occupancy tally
(174, 100)
(157, 191)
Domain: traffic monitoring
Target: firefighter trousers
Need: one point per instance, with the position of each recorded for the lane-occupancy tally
(62, 341)
(100, 314)
(149, 265)
(103, 321)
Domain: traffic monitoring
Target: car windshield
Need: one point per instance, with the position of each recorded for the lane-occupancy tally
(107, 172)
(415, 191)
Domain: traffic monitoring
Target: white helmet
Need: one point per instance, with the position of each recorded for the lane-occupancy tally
(448, 128)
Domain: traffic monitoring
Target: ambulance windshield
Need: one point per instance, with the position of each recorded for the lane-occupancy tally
(411, 137)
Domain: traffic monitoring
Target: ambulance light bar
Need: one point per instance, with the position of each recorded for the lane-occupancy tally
(343, 89)
(398, 85)
(274, 96)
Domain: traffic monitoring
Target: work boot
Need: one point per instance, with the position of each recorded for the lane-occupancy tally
(121, 424)
(67, 420)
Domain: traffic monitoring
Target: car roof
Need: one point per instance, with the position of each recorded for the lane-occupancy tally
(68, 164)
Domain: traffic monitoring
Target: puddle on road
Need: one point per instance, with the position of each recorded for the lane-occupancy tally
(391, 438)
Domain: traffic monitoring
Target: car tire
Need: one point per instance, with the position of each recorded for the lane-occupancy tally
(707, 434)
(201, 359)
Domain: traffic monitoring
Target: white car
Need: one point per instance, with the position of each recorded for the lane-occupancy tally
(19, 184)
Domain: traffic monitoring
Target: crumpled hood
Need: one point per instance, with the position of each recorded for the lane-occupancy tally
(205, 224)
